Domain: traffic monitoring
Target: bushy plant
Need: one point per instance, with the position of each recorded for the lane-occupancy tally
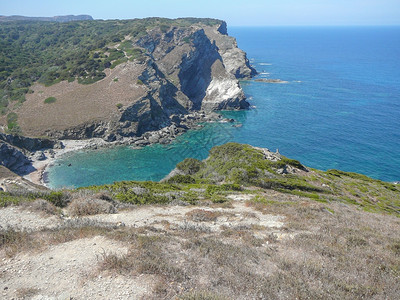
(190, 166)
(50, 100)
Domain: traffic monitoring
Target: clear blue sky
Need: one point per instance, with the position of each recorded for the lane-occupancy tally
(235, 12)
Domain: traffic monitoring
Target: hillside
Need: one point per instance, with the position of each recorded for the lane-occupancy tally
(115, 79)
(246, 223)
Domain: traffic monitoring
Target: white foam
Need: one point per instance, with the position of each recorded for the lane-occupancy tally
(265, 64)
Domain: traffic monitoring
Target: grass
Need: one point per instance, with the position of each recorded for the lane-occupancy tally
(50, 100)
(343, 257)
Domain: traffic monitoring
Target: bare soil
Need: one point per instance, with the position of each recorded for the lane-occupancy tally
(78, 104)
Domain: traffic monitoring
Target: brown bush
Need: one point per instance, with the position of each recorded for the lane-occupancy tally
(201, 215)
(88, 206)
(42, 206)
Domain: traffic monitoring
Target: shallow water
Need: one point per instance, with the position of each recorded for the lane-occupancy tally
(340, 109)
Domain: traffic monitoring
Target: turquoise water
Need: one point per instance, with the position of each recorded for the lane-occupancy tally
(340, 109)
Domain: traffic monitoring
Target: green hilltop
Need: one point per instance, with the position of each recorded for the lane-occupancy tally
(238, 168)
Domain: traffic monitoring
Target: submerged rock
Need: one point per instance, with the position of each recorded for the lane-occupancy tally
(270, 80)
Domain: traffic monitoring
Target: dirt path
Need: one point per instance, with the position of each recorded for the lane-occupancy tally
(70, 270)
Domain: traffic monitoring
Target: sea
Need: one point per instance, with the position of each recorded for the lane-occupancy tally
(340, 109)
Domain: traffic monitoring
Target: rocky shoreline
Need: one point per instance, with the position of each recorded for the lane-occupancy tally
(42, 159)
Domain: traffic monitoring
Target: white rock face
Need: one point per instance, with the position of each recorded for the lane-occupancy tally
(222, 93)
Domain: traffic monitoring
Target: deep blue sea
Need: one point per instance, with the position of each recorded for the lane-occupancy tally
(340, 109)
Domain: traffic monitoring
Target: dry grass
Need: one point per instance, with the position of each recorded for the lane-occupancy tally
(41, 206)
(89, 206)
(79, 104)
(6, 173)
(201, 295)
(335, 251)
(13, 241)
(201, 215)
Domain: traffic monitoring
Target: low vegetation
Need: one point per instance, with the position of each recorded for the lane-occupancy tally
(12, 124)
(339, 239)
(234, 168)
(50, 100)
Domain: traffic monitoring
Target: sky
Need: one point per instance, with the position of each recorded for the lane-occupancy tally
(235, 12)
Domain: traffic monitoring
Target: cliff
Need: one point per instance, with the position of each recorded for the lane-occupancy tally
(154, 73)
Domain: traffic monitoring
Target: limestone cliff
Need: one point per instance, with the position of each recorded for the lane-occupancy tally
(176, 70)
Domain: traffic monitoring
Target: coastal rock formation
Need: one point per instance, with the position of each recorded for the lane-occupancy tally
(15, 151)
(175, 70)
(14, 159)
(27, 143)
(235, 59)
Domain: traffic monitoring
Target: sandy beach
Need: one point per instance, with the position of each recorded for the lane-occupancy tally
(51, 155)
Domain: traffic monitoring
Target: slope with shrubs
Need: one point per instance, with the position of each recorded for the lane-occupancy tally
(207, 240)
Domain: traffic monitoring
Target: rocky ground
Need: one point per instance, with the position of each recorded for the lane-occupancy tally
(286, 248)
(70, 269)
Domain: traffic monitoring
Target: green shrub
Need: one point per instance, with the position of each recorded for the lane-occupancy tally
(145, 198)
(190, 166)
(12, 118)
(50, 100)
(119, 105)
(118, 61)
(12, 123)
(217, 189)
(292, 162)
(181, 179)
(59, 199)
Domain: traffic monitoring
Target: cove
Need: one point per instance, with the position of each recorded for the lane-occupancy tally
(340, 109)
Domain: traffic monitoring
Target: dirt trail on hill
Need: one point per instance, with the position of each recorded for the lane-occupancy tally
(70, 270)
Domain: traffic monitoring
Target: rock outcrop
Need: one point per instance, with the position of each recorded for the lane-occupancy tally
(15, 151)
(189, 69)
(27, 143)
(235, 59)
(14, 159)
(181, 69)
